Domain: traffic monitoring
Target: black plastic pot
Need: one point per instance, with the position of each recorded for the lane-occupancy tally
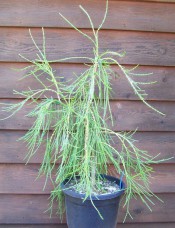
(83, 214)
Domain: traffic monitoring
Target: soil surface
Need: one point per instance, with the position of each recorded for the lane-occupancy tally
(104, 187)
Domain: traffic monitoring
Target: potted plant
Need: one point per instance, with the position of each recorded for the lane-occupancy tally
(73, 119)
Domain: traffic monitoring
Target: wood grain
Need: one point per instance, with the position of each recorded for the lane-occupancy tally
(13, 151)
(170, 1)
(127, 115)
(142, 48)
(21, 179)
(28, 209)
(164, 89)
(131, 15)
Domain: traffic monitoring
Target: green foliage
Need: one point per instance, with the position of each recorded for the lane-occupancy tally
(73, 123)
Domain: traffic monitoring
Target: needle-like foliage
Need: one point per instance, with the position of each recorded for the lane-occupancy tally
(72, 123)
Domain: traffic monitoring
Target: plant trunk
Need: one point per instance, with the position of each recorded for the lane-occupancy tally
(93, 171)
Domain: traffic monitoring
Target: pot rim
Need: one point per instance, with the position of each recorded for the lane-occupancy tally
(74, 194)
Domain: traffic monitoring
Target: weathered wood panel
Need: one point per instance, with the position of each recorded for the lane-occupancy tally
(155, 48)
(34, 226)
(37, 226)
(131, 15)
(28, 209)
(127, 115)
(21, 179)
(13, 151)
(142, 48)
(170, 1)
(164, 89)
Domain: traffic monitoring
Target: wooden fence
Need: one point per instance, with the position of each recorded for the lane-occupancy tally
(146, 30)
